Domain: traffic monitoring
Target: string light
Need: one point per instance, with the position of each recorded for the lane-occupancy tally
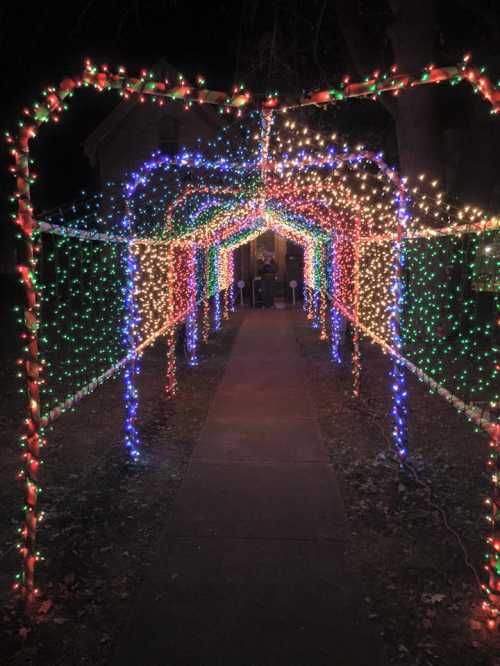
(192, 317)
(146, 254)
(217, 294)
(335, 316)
(130, 334)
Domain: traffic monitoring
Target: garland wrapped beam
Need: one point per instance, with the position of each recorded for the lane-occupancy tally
(103, 283)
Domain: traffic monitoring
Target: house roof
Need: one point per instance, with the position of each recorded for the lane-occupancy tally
(112, 121)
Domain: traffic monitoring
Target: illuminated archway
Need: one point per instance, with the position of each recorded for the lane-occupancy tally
(298, 192)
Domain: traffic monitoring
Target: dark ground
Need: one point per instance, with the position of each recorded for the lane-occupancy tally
(251, 567)
(418, 589)
(103, 514)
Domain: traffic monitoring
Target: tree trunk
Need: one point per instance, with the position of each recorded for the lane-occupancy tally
(413, 36)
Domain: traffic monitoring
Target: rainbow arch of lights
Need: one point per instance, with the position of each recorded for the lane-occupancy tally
(160, 248)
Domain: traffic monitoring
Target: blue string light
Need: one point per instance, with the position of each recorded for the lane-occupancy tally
(398, 378)
(335, 316)
(132, 369)
(192, 318)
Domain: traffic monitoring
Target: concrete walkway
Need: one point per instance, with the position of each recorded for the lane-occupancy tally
(252, 571)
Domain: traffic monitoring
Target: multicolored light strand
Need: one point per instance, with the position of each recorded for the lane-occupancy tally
(303, 186)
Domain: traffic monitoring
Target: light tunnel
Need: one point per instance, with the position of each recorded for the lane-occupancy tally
(156, 252)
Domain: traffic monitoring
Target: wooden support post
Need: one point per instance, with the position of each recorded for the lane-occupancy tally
(171, 379)
(32, 438)
(356, 353)
(492, 588)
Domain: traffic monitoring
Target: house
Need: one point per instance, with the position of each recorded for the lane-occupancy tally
(132, 131)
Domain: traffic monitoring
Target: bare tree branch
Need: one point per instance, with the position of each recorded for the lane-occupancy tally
(356, 40)
(80, 18)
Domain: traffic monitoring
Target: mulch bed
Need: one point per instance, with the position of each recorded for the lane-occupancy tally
(418, 590)
(103, 513)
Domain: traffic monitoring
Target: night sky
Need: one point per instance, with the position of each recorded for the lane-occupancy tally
(284, 45)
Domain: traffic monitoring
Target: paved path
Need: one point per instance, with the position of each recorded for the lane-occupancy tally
(252, 571)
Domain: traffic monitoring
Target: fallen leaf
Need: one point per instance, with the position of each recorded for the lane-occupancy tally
(23, 632)
(432, 598)
(45, 607)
